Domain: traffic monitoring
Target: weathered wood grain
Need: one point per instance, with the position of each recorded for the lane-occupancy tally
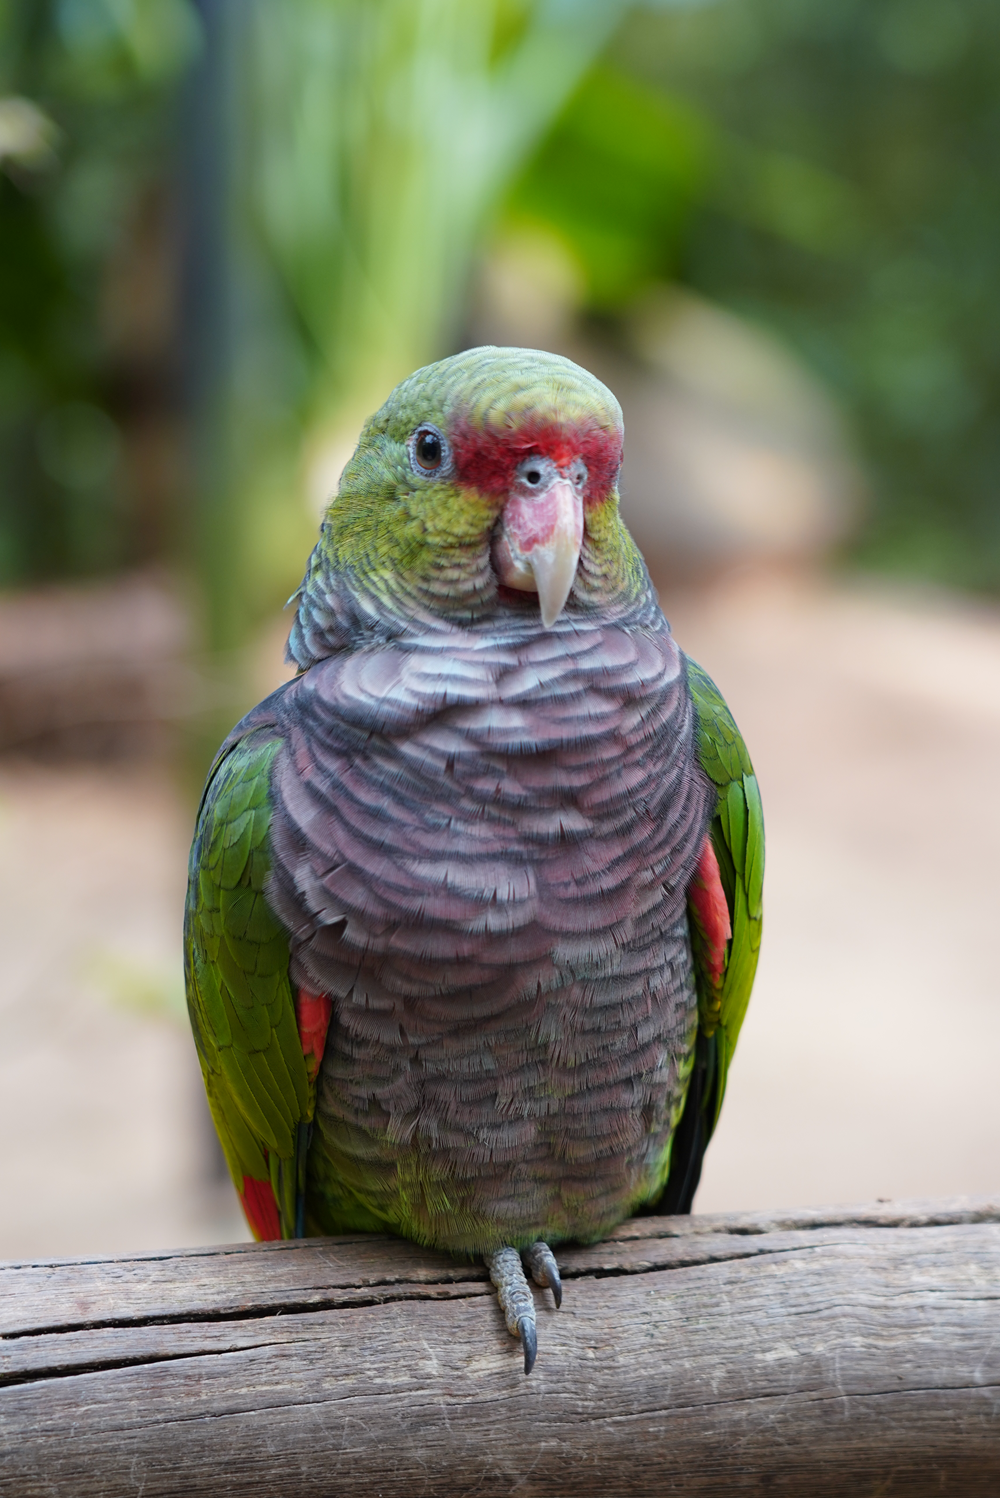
(853, 1351)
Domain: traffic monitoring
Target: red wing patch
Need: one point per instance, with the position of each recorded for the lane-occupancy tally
(261, 1209)
(709, 901)
(312, 1013)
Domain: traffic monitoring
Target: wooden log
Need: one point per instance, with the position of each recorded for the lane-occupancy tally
(850, 1351)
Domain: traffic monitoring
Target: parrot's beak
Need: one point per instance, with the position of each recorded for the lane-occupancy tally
(537, 545)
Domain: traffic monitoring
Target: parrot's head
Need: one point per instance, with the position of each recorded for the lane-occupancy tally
(487, 480)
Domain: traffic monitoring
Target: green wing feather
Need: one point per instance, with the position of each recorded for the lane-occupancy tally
(239, 995)
(737, 833)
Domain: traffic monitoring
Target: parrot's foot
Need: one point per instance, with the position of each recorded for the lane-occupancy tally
(514, 1292)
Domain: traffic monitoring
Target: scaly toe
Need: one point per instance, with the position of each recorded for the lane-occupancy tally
(516, 1299)
(544, 1270)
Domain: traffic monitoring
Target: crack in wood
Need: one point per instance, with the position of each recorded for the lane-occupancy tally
(395, 1290)
(249, 1313)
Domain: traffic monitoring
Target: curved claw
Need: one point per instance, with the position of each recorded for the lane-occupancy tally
(544, 1269)
(529, 1341)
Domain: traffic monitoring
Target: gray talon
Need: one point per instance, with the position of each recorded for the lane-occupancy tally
(544, 1269)
(516, 1299)
(529, 1339)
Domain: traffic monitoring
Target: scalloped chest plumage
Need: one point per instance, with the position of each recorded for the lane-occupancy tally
(482, 841)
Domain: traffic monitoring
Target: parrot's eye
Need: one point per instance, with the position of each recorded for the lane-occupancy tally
(428, 449)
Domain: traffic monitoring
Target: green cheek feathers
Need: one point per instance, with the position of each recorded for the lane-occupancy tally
(426, 546)
(447, 517)
(611, 563)
(429, 545)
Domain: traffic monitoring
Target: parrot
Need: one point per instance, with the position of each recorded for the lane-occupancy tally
(475, 896)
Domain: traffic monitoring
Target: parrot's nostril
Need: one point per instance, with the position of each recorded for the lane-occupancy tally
(536, 473)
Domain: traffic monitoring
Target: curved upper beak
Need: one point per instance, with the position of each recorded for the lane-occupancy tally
(538, 543)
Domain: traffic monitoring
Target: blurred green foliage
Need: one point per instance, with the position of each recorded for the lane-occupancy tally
(855, 207)
(371, 141)
(379, 136)
(86, 99)
(825, 166)
(618, 179)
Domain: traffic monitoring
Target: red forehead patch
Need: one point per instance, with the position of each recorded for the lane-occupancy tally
(485, 458)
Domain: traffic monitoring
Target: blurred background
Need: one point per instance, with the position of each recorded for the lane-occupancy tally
(228, 227)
